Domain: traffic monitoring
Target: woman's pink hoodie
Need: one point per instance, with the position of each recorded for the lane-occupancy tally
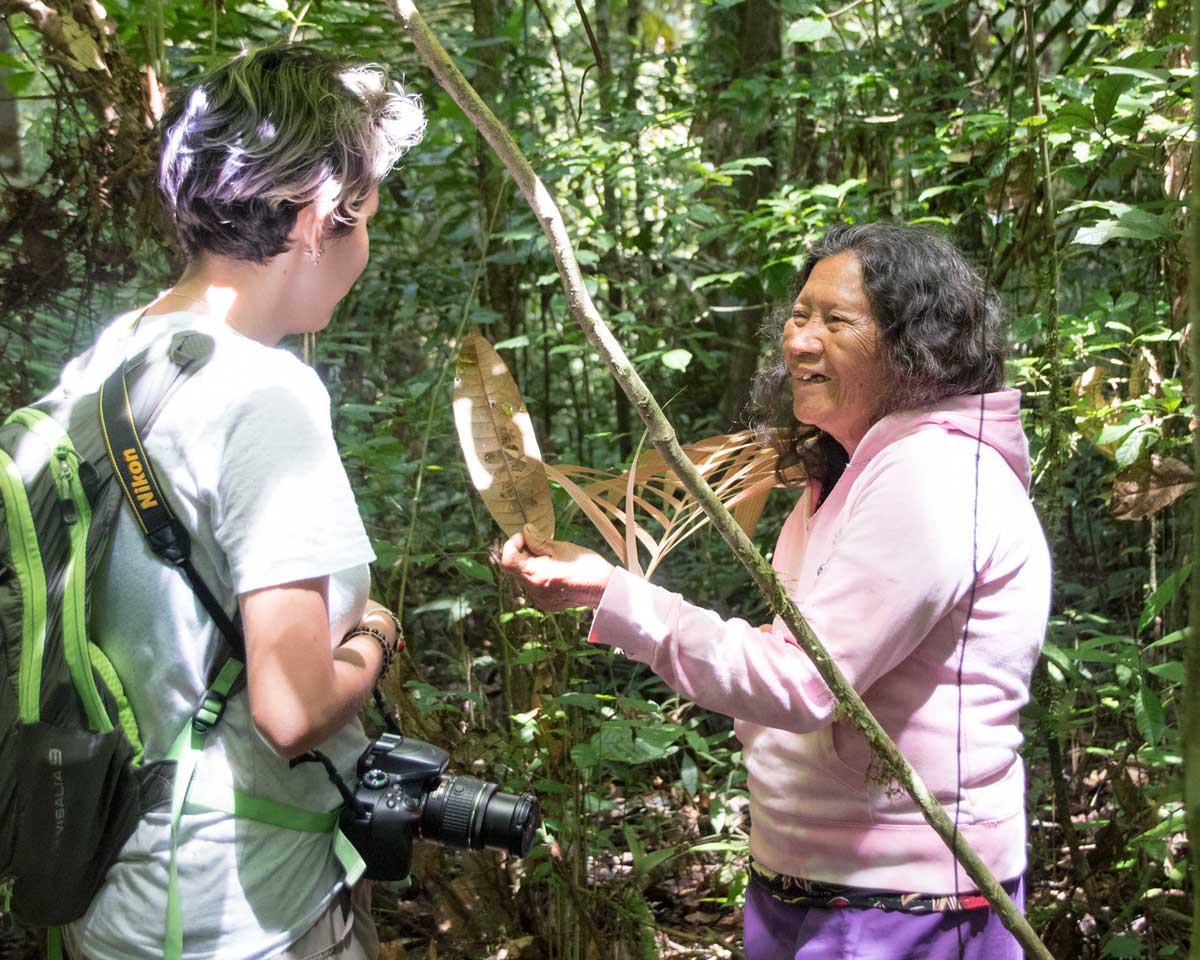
(883, 573)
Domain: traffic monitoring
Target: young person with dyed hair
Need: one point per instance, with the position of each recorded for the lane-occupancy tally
(270, 169)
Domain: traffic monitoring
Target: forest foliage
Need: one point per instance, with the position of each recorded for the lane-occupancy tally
(696, 148)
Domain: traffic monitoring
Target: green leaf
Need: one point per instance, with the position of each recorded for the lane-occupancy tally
(18, 81)
(836, 191)
(633, 843)
(1162, 596)
(1135, 444)
(930, 192)
(1123, 947)
(1108, 91)
(1172, 672)
(1072, 115)
(485, 315)
(1173, 637)
(1134, 223)
(777, 276)
(512, 343)
(722, 278)
(532, 652)
(456, 607)
(677, 359)
(927, 8)
(1114, 433)
(474, 569)
(809, 30)
(1038, 120)
(648, 861)
(689, 775)
(1148, 711)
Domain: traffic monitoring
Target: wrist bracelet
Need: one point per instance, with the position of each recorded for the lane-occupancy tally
(400, 644)
(389, 648)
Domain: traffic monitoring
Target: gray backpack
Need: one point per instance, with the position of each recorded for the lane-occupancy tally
(72, 782)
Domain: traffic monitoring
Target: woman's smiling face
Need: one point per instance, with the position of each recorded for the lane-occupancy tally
(831, 347)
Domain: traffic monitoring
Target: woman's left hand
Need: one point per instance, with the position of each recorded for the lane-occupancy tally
(556, 574)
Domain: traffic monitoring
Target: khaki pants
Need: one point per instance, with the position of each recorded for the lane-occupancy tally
(345, 930)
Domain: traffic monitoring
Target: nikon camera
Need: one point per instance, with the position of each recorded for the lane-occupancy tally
(403, 794)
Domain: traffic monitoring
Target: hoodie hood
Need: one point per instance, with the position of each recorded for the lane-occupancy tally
(1001, 419)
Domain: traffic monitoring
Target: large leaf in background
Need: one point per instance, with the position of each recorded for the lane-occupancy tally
(497, 440)
(1149, 485)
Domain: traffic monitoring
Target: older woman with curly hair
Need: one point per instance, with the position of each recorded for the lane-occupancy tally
(270, 169)
(918, 560)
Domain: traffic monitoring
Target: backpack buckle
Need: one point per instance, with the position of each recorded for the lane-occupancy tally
(209, 712)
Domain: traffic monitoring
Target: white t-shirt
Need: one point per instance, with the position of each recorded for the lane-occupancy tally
(244, 451)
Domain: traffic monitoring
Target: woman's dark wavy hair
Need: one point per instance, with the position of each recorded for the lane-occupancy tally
(942, 335)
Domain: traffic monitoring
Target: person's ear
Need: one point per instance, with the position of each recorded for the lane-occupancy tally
(308, 235)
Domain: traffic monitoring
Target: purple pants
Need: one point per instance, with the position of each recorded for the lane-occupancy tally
(774, 930)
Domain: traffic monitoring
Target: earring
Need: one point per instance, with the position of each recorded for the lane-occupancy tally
(315, 255)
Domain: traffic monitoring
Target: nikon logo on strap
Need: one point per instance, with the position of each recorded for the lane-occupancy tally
(140, 486)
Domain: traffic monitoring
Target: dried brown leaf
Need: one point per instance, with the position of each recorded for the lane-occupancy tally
(496, 435)
(591, 508)
(1150, 485)
(739, 468)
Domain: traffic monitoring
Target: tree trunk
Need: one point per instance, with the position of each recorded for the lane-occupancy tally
(10, 134)
(501, 288)
(752, 32)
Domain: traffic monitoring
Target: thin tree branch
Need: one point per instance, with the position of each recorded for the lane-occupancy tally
(1055, 452)
(662, 435)
(587, 25)
(562, 64)
(1191, 690)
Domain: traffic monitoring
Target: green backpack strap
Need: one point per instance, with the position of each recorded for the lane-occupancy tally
(64, 462)
(189, 792)
(31, 573)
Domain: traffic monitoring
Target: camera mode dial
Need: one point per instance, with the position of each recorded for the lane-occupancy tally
(375, 779)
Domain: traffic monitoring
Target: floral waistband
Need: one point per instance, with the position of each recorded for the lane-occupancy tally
(813, 893)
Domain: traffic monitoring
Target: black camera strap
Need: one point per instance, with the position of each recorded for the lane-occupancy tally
(167, 537)
(389, 718)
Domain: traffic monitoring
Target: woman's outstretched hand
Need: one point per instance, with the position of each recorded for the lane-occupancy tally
(555, 574)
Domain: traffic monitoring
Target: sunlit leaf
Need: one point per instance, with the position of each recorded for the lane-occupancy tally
(677, 359)
(497, 440)
(456, 608)
(1135, 443)
(809, 30)
(1135, 224)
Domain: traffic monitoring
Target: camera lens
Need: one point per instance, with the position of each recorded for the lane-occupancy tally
(510, 822)
(469, 814)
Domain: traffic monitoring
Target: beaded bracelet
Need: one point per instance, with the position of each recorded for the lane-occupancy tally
(389, 648)
(400, 644)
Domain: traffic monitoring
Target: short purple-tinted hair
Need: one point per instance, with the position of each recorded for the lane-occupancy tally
(253, 141)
